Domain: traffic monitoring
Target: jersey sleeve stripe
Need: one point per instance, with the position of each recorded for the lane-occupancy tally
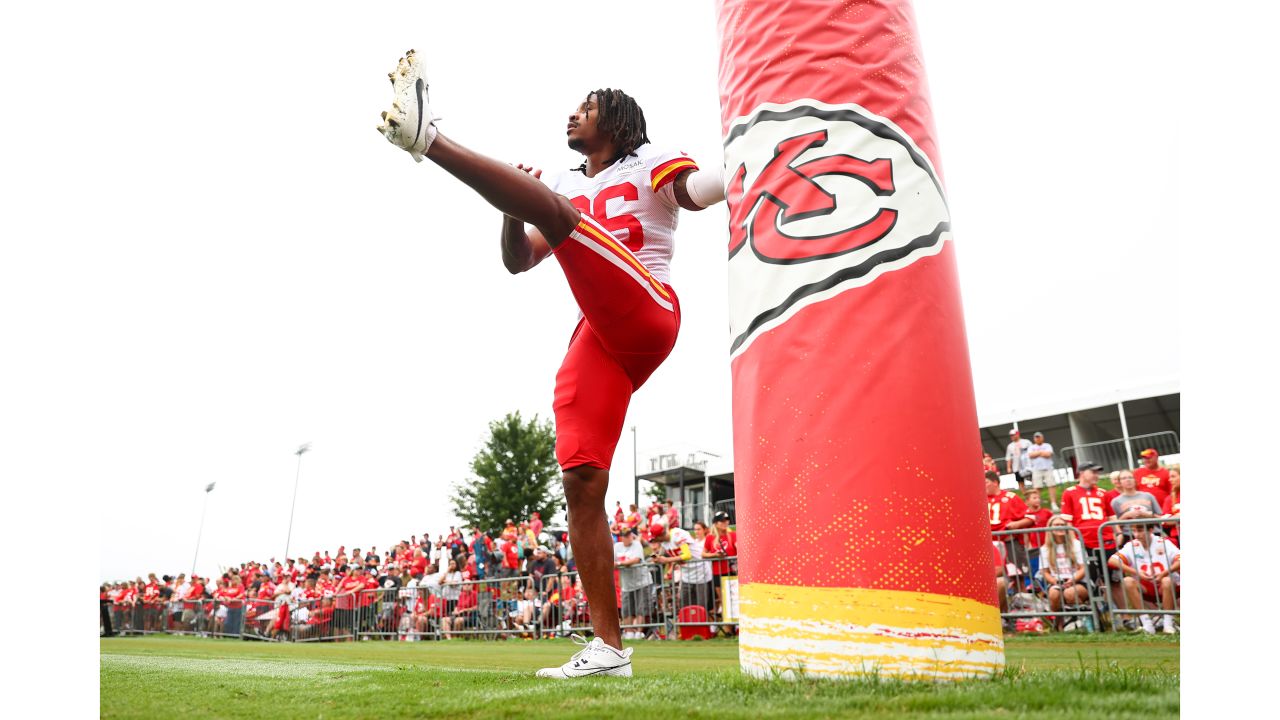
(667, 171)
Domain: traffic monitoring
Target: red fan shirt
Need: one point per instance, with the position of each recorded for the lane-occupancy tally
(1173, 506)
(1155, 482)
(1088, 509)
(1041, 518)
(1005, 507)
(727, 544)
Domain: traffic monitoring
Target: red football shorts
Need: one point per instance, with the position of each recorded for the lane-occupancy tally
(629, 325)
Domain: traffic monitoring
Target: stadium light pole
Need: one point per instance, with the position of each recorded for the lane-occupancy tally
(302, 449)
(207, 489)
(635, 467)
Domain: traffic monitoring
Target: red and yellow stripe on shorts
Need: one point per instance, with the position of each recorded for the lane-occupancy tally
(590, 234)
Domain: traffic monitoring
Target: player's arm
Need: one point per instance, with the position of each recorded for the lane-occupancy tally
(697, 189)
(522, 249)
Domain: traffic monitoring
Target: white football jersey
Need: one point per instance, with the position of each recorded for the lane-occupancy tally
(1155, 559)
(634, 199)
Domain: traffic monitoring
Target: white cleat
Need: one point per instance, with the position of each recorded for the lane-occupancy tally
(408, 124)
(595, 658)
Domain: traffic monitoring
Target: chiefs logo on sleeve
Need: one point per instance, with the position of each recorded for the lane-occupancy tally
(822, 198)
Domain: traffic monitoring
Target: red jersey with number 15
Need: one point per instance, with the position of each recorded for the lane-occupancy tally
(633, 199)
(1088, 509)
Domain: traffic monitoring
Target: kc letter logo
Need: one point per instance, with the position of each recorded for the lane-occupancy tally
(822, 198)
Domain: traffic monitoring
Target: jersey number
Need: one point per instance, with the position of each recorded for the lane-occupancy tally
(598, 210)
(995, 514)
(1091, 509)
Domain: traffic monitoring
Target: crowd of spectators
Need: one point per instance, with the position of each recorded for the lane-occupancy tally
(1058, 569)
(519, 582)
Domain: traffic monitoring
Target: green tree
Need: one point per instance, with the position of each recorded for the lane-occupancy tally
(514, 474)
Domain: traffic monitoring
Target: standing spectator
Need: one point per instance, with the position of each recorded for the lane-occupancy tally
(1042, 475)
(1008, 512)
(451, 585)
(283, 596)
(535, 523)
(1173, 505)
(346, 600)
(1063, 567)
(1084, 505)
(1131, 503)
(167, 605)
(1147, 561)
(1039, 517)
(543, 569)
(636, 582)
(672, 515)
(233, 596)
(989, 464)
(192, 605)
(669, 546)
(418, 567)
(1016, 459)
(721, 542)
(618, 515)
(151, 604)
(1151, 477)
(695, 574)
(482, 549)
(510, 560)
(633, 518)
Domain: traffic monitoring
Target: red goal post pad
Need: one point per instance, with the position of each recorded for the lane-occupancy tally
(861, 519)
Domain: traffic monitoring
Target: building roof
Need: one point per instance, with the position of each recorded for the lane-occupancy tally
(1004, 416)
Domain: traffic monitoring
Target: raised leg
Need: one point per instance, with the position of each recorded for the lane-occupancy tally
(513, 192)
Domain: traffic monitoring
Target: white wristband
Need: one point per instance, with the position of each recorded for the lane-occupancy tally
(705, 187)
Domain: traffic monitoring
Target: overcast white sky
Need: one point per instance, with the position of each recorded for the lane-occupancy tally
(248, 265)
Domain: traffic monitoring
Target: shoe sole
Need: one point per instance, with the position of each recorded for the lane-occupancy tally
(623, 670)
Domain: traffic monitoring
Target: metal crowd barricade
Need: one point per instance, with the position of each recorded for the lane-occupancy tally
(191, 617)
(227, 618)
(1113, 454)
(1132, 586)
(644, 603)
(498, 607)
(705, 601)
(486, 608)
(1032, 595)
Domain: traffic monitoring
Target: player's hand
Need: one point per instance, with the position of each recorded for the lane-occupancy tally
(535, 172)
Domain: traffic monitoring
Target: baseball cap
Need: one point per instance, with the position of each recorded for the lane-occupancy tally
(1013, 432)
(1038, 434)
(1088, 465)
(656, 531)
(722, 515)
(1149, 452)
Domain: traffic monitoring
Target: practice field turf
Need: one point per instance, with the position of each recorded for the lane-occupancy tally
(1058, 677)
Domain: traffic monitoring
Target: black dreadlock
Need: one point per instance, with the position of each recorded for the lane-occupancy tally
(619, 116)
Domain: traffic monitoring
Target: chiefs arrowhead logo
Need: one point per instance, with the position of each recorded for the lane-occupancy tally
(826, 197)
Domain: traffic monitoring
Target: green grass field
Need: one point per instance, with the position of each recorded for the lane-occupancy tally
(1060, 677)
